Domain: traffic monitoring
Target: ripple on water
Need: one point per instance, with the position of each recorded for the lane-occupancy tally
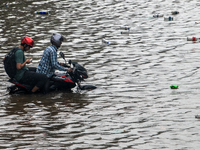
(133, 106)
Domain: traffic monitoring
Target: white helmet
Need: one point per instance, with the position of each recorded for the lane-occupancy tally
(56, 39)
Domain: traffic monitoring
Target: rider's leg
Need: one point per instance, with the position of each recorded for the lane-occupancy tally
(37, 80)
(46, 87)
(32, 69)
(35, 88)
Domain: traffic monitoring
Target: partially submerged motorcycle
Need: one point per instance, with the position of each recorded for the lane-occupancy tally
(59, 81)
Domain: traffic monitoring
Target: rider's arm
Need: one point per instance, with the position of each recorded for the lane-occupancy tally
(55, 63)
(21, 65)
(19, 58)
(61, 63)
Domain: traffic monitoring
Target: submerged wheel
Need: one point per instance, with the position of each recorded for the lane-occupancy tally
(15, 90)
(11, 89)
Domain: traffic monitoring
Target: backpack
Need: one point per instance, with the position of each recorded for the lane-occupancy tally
(10, 63)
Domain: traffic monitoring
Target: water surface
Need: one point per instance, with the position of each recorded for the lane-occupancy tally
(133, 106)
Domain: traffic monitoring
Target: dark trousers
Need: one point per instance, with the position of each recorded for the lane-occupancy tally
(33, 78)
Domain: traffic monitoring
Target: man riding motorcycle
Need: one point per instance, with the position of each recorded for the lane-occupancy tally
(23, 74)
(48, 62)
(47, 67)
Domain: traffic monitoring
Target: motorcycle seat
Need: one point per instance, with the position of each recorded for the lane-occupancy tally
(26, 86)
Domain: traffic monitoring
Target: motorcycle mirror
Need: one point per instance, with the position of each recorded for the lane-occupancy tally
(69, 62)
(62, 55)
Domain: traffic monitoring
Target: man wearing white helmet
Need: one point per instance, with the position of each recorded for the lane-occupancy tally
(48, 62)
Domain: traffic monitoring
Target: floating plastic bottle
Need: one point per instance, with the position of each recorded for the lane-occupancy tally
(175, 12)
(192, 38)
(158, 15)
(197, 116)
(42, 12)
(174, 86)
(105, 42)
(168, 18)
(125, 27)
(126, 32)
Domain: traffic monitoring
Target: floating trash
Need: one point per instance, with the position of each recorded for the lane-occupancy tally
(168, 18)
(197, 116)
(126, 32)
(158, 15)
(105, 42)
(175, 12)
(192, 38)
(125, 27)
(174, 86)
(42, 12)
(118, 131)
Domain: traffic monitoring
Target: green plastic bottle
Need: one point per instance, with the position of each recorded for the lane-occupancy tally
(174, 86)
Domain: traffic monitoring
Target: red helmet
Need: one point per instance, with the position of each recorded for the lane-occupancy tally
(27, 40)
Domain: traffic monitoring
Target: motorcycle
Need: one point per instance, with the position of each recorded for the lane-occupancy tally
(59, 81)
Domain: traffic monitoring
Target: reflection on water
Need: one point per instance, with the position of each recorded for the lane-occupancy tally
(133, 106)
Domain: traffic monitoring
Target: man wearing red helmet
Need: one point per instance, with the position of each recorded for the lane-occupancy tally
(23, 74)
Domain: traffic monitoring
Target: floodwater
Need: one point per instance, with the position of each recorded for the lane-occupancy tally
(133, 106)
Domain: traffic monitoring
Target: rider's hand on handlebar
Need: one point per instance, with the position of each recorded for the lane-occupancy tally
(64, 65)
(61, 64)
(69, 70)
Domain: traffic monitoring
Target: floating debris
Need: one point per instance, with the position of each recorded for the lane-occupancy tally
(197, 116)
(168, 18)
(158, 15)
(127, 32)
(105, 42)
(192, 38)
(174, 86)
(42, 12)
(125, 27)
(175, 12)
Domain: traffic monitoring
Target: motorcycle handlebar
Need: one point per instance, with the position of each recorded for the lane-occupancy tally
(66, 66)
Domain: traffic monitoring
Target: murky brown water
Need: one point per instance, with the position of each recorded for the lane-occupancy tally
(133, 106)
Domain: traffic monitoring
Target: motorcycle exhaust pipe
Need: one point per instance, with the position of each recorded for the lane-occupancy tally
(88, 87)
